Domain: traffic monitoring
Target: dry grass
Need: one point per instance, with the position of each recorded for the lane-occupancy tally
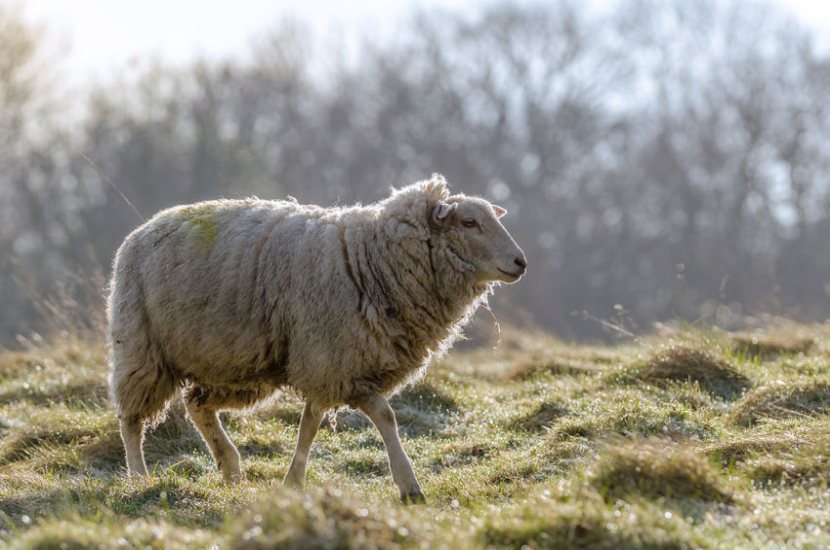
(732, 451)
(537, 443)
(328, 519)
(781, 399)
(683, 363)
(658, 469)
(780, 338)
(804, 461)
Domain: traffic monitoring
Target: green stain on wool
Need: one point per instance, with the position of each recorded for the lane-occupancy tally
(201, 218)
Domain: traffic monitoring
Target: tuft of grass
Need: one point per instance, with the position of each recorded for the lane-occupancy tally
(325, 519)
(53, 428)
(82, 533)
(773, 341)
(777, 400)
(578, 517)
(634, 412)
(683, 363)
(658, 469)
(732, 451)
(806, 461)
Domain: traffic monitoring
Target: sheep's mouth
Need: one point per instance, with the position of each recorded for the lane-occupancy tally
(513, 276)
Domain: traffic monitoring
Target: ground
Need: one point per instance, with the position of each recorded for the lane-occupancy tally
(684, 439)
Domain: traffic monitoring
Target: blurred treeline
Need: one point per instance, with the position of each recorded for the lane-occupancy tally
(666, 160)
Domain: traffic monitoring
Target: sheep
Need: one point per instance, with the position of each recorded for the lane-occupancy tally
(230, 300)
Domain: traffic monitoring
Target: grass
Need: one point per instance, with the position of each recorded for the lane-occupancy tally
(689, 363)
(658, 469)
(781, 399)
(689, 440)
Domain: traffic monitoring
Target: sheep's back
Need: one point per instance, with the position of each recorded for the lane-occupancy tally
(216, 278)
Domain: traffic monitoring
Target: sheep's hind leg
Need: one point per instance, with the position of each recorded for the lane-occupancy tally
(132, 434)
(141, 396)
(382, 416)
(203, 413)
(309, 424)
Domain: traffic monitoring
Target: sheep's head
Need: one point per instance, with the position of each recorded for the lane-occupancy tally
(478, 246)
(473, 232)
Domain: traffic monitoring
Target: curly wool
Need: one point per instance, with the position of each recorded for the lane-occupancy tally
(236, 298)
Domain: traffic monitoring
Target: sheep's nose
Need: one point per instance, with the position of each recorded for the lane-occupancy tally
(522, 263)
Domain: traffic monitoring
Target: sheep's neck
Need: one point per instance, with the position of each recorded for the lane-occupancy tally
(416, 289)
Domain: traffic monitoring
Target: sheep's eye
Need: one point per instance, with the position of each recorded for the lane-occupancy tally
(469, 223)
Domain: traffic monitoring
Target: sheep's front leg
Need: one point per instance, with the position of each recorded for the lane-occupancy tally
(309, 424)
(382, 416)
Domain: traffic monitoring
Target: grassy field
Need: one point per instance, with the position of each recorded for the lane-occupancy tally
(681, 440)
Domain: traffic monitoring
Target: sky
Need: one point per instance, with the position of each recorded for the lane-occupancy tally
(98, 37)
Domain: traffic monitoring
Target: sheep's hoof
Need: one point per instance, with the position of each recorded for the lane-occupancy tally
(292, 482)
(414, 497)
(233, 478)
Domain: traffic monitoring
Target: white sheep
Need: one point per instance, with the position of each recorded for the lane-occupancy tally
(232, 299)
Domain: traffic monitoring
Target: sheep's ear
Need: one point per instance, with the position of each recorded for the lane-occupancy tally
(499, 210)
(442, 211)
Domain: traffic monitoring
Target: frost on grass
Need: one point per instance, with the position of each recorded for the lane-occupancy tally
(804, 461)
(423, 409)
(541, 417)
(578, 517)
(739, 449)
(549, 458)
(80, 533)
(804, 398)
(658, 469)
(323, 519)
(682, 363)
(632, 412)
(772, 342)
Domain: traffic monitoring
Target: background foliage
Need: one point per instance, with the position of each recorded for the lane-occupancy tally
(670, 159)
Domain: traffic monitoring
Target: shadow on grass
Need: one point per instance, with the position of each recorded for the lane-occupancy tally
(420, 410)
(366, 466)
(540, 418)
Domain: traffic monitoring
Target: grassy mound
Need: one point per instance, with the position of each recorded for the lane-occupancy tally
(326, 519)
(559, 360)
(805, 467)
(682, 363)
(773, 342)
(740, 449)
(53, 428)
(634, 412)
(81, 534)
(806, 461)
(658, 469)
(782, 400)
(583, 520)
